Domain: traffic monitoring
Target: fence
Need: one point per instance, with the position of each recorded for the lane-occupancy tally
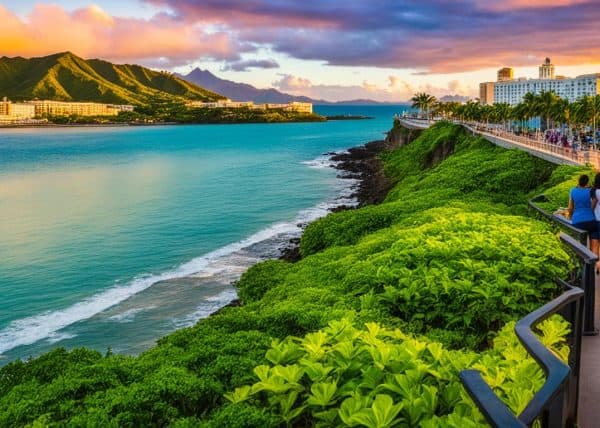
(555, 404)
(586, 276)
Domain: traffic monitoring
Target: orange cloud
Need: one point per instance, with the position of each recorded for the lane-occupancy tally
(91, 32)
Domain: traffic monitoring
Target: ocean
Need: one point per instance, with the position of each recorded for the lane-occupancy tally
(114, 237)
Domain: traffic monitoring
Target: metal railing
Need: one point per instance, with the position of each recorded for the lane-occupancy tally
(555, 404)
(586, 279)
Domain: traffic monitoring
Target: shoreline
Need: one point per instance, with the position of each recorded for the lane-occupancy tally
(351, 164)
(359, 163)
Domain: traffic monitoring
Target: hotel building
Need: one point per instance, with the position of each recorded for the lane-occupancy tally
(15, 112)
(64, 108)
(486, 93)
(512, 91)
(293, 106)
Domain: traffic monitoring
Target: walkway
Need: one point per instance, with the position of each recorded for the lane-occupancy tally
(589, 378)
(589, 382)
(536, 147)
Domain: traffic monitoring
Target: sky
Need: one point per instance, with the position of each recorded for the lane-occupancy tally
(385, 50)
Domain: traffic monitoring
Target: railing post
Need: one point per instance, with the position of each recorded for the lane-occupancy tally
(589, 301)
(588, 285)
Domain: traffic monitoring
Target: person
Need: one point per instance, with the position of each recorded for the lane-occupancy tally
(595, 193)
(581, 212)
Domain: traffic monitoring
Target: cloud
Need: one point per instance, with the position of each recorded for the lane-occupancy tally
(246, 65)
(431, 36)
(428, 36)
(397, 90)
(91, 32)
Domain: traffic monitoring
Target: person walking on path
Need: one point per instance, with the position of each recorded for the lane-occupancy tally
(581, 211)
(595, 193)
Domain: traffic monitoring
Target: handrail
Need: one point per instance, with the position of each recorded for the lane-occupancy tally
(587, 281)
(556, 402)
(556, 371)
(494, 410)
(580, 233)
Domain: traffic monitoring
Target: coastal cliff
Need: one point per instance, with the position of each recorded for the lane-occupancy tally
(400, 136)
(428, 277)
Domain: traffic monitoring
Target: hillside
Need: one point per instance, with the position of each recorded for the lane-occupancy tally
(67, 77)
(387, 305)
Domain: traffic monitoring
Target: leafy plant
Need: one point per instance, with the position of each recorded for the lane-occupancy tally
(394, 379)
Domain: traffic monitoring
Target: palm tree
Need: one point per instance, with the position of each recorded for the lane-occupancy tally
(546, 103)
(502, 113)
(424, 102)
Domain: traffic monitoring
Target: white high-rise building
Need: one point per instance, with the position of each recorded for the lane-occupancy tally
(513, 91)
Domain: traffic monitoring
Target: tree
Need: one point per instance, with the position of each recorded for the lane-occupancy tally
(546, 103)
(424, 102)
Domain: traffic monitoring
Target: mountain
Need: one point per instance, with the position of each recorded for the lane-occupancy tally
(242, 91)
(454, 98)
(67, 77)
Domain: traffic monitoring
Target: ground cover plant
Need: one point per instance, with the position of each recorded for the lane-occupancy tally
(435, 274)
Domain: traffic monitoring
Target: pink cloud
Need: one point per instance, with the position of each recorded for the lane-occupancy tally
(397, 90)
(506, 5)
(91, 32)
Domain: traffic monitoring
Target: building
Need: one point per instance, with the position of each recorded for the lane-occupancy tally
(293, 106)
(513, 91)
(300, 107)
(547, 70)
(486, 93)
(65, 108)
(15, 112)
(227, 103)
(505, 74)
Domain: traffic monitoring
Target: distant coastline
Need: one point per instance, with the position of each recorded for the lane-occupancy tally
(348, 117)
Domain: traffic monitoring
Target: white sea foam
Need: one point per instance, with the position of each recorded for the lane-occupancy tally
(227, 263)
(129, 315)
(57, 337)
(205, 308)
(322, 162)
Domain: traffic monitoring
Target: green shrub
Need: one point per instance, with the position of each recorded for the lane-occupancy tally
(259, 279)
(377, 377)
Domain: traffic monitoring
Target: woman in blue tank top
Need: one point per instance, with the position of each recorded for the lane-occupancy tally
(582, 212)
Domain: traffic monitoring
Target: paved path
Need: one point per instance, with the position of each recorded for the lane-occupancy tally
(589, 382)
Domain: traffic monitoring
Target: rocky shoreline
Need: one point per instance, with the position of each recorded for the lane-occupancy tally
(359, 163)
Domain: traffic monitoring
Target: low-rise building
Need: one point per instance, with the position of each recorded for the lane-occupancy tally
(66, 108)
(301, 107)
(227, 103)
(293, 106)
(15, 112)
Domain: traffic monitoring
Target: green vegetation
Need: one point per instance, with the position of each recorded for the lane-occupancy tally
(370, 328)
(168, 110)
(66, 77)
(342, 376)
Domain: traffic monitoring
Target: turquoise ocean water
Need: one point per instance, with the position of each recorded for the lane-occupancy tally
(114, 237)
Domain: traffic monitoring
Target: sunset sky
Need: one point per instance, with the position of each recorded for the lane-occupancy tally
(332, 49)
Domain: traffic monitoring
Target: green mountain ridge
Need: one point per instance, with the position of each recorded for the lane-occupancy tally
(67, 77)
